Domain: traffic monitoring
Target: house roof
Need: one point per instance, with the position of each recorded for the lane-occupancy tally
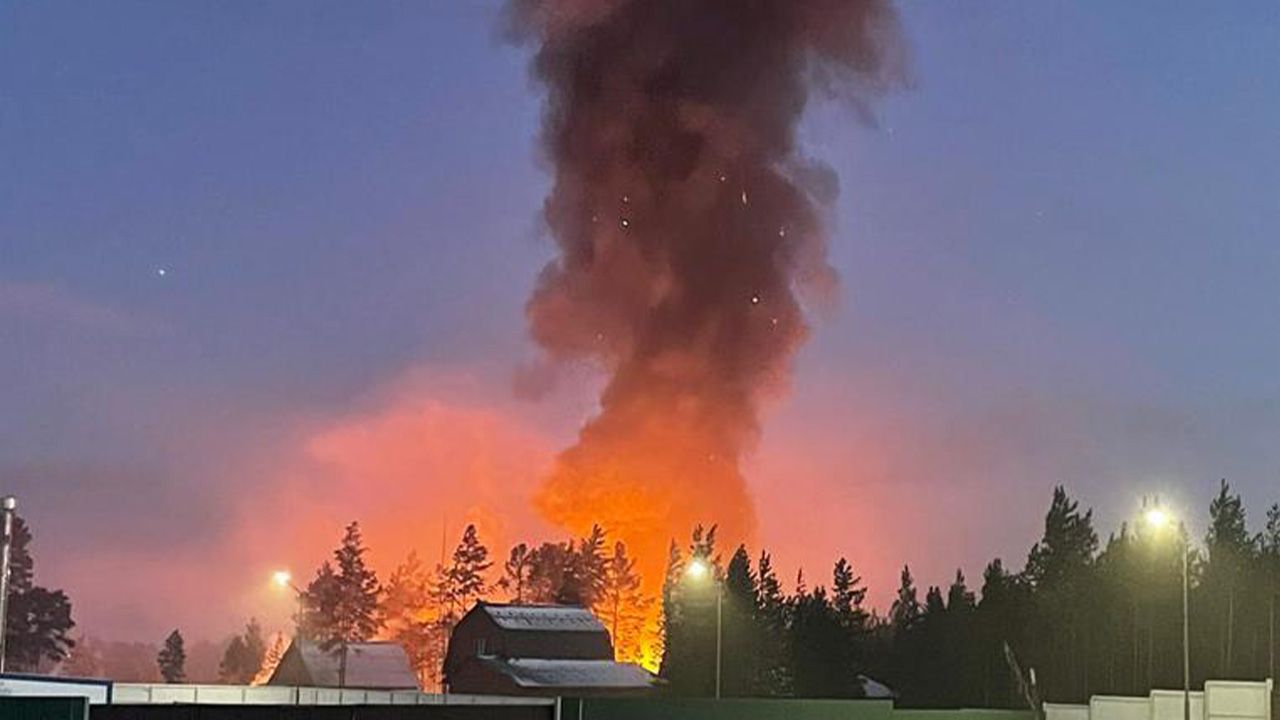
(560, 618)
(875, 690)
(370, 665)
(542, 673)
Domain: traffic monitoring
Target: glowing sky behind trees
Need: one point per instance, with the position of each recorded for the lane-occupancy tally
(1057, 257)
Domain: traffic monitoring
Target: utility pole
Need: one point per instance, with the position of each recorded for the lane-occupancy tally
(8, 505)
(1186, 633)
(719, 633)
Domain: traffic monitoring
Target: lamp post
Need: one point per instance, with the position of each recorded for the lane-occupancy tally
(283, 579)
(8, 505)
(699, 570)
(1158, 519)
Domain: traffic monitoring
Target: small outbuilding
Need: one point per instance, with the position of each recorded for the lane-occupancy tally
(369, 666)
(537, 650)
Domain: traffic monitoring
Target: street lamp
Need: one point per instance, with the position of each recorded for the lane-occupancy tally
(283, 579)
(8, 505)
(1158, 519)
(700, 570)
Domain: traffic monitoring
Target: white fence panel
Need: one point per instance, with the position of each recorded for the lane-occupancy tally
(1168, 705)
(349, 696)
(219, 694)
(96, 691)
(1063, 711)
(1116, 707)
(270, 695)
(130, 694)
(405, 697)
(1236, 700)
(156, 693)
(169, 694)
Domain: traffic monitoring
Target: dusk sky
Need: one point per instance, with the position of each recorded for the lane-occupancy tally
(263, 269)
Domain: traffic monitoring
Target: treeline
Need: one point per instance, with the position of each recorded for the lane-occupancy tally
(1088, 617)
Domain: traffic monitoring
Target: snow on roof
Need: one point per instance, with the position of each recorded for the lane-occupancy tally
(873, 689)
(540, 673)
(563, 618)
(370, 665)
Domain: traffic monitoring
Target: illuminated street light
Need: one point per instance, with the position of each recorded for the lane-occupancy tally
(697, 570)
(1158, 519)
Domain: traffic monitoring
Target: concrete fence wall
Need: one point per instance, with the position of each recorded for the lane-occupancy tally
(1169, 705)
(162, 694)
(1232, 700)
(1119, 707)
(1220, 700)
(1063, 711)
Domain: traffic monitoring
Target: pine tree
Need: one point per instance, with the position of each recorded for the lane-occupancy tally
(688, 660)
(466, 575)
(1060, 571)
(39, 620)
(586, 571)
(820, 655)
(1069, 544)
(550, 569)
(847, 596)
(409, 617)
(742, 626)
(172, 659)
(515, 573)
(319, 605)
(342, 607)
(232, 665)
(242, 658)
(1230, 552)
(458, 586)
(773, 677)
(621, 606)
(905, 610)
(670, 605)
(1270, 555)
(357, 617)
(565, 573)
(959, 597)
(999, 621)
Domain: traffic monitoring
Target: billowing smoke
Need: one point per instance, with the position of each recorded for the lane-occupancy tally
(688, 228)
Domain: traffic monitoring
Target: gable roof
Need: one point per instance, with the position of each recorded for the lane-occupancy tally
(558, 618)
(596, 674)
(370, 666)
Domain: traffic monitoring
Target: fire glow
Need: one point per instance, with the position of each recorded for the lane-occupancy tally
(674, 122)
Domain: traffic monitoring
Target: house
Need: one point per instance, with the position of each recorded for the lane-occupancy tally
(537, 650)
(369, 666)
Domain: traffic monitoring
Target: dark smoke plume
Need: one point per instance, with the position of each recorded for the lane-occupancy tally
(686, 225)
